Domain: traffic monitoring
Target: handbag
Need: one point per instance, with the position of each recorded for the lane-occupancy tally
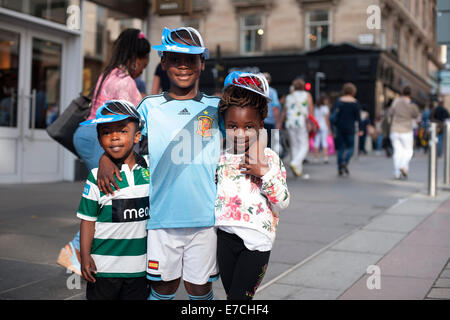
(312, 125)
(63, 128)
(330, 145)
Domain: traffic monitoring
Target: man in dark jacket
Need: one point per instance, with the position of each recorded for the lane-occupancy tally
(439, 116)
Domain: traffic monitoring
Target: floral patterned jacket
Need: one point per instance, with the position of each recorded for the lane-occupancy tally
(250, 202)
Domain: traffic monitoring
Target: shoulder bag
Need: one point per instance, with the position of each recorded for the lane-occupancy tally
(63, 128)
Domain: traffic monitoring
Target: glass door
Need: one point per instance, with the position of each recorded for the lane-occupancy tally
(42, 102)
(11, 69)
(30, 81)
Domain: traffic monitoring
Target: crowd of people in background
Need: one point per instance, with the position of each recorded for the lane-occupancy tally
(396, 132)
(288, 135)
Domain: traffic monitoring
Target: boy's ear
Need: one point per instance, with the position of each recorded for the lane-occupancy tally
(203, 63)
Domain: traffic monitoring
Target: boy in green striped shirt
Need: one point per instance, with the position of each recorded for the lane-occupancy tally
(113, 227)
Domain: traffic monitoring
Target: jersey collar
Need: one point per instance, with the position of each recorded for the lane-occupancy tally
(197, 98)
(139, 161)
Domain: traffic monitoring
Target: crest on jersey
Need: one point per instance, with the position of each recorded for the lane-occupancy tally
(204, 125)
(146, 175)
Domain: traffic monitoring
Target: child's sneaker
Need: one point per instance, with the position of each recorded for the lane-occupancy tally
(70, 258)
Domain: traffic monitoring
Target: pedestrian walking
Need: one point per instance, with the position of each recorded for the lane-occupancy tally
(182, 240)
(113, 242)
(129, 58)
(386, 129)
(364, 128)
(273, 115)
(439, 115)
(403, 113)
(321, 113)
(251, 188)
(299, 104)
(345, 113)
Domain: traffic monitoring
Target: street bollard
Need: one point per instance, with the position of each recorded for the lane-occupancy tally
(432, 161)
(447, 153)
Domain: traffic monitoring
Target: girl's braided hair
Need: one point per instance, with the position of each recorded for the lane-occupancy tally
(234, 96)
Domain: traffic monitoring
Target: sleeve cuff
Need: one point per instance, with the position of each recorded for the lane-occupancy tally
(85, 217)
(269, 176)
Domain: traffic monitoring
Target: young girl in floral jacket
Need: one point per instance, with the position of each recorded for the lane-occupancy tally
(251, 187)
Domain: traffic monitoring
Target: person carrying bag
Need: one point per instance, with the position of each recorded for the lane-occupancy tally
(64, 127)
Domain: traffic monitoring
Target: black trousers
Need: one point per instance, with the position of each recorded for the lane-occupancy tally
(118, 289)
(269, 127)
(241, 270)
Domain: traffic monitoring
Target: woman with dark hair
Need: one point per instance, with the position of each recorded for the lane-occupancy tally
(346, 110)
(129, 58)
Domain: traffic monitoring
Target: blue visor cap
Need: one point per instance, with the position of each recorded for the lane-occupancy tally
(168, 44)
(114, 111)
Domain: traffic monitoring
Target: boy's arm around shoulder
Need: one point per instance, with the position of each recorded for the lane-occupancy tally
(274, 184)
(107, 169)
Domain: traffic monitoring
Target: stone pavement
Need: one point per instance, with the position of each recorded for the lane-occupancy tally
(407, 245)
(333, 230)
(441, 287)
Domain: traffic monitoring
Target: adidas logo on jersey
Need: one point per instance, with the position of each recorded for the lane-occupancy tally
(184, 112)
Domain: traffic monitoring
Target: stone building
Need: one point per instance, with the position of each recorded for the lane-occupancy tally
(381, 45)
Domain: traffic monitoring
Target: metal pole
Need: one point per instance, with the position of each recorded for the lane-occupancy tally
(356, 150)
(447, 153)
(432, 161)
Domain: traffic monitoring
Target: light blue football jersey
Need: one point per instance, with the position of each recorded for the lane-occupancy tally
(184, 149)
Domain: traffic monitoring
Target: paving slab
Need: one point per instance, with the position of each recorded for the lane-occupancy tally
(415, 261)
(394, 223)
(367, 241)
(442, 283)
(445, 274)
(439, 293)
(392, 288)
(335, 270)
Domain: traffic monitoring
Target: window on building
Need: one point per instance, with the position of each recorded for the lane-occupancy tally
(406, 50)
(317, 29)
(396, 39)
(101, 28)
(52, 10)
(424, 14)
(425, 63)
(252, 34)
(406, 3)
(416, 57)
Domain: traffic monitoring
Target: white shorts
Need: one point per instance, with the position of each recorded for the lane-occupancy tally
(188, 253)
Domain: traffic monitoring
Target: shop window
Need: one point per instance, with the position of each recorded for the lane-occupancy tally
(251, 34)
(9, 77)
(52, 10)
(317, 29)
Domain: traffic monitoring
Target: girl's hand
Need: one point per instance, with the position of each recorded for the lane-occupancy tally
(255, 162)
(87, 267)
(105, 175)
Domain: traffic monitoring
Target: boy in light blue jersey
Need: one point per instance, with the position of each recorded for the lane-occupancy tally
(184, 149)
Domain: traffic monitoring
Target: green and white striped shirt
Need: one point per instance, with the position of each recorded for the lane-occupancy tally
(119, 247)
